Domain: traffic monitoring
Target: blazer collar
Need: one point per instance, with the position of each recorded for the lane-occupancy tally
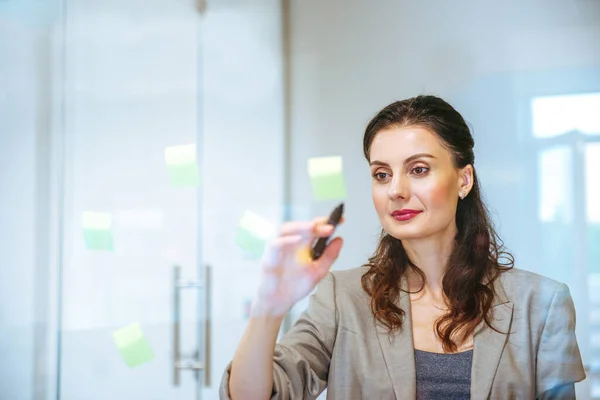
(398, 349)
(488, 344)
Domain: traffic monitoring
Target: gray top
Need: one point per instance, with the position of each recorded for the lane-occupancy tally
(443, 376)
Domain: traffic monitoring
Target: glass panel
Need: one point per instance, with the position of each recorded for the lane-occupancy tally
(130, 198)
(556, 115)
(271, 88)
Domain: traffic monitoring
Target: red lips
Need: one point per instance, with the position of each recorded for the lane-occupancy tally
(405, 214)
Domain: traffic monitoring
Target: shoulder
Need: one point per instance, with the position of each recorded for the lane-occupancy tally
(523, 287)
(519, 278)
(348, 279)
(347, 282)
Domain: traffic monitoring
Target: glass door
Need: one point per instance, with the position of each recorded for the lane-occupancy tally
(132, 281)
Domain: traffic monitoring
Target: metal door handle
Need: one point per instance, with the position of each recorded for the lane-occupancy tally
(190, 365)
(193, 364)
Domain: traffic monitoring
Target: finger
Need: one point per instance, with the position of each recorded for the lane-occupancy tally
(308, 230)
(321, 220)
(322, 228)
(331, 253)
(303, 255)
(297, 228)
(275, 251)
(324, 220)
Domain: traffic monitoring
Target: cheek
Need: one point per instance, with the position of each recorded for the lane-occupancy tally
(380, 198)
(438, 195)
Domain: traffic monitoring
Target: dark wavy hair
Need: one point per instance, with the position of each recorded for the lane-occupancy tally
(475, 262)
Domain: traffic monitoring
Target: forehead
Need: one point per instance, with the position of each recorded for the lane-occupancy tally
(397, 144)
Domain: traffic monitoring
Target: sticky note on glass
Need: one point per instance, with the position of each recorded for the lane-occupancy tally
(182, 165)
(97, 231)
(253, 233)
(326, 178)
(132, 345)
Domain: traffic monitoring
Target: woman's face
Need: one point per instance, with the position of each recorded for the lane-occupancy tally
(416, 187)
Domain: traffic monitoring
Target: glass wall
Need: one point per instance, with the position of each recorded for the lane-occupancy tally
(148, 147)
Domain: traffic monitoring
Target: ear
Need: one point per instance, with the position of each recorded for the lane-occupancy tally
(465, 181)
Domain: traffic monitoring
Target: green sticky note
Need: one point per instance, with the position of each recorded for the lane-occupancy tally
(182, 165)
(132, 345)
(327, 178)
(98, 239)
(184, 175)
(252, 234)
(97, 232)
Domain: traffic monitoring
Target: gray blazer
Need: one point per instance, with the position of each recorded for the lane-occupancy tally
(337, 344)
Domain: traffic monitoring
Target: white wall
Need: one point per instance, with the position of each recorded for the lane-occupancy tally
(351, 58)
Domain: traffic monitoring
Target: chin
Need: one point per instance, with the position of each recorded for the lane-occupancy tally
(406, 234)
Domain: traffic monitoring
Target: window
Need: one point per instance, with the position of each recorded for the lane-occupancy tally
(557, 115)
(566, 132)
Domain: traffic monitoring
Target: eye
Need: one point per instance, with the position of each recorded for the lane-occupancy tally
(420, 170)
(380, 175)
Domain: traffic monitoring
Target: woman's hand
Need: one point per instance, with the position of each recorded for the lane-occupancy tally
(288, 271)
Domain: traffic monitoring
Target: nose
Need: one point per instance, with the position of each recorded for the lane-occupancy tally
(399, 187)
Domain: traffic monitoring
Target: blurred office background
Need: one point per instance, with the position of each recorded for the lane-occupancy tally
(97, 217)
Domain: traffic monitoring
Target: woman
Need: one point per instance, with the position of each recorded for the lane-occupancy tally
(434, 314)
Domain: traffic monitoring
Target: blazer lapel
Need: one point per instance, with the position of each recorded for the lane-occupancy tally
(399, 356)
(489, 344)
(398, 352)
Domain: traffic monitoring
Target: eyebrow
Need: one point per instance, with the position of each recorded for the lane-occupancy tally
(409, 159)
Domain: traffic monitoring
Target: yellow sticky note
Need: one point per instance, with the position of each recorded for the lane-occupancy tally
(327, 178)
(253, 232)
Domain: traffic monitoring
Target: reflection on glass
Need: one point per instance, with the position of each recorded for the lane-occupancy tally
(555, 177)
(556, 212)
(592, 190)
(556, 115)
(592, 184)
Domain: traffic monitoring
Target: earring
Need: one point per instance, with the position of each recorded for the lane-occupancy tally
(462, 195)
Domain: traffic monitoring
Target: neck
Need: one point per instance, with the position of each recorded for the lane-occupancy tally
(430, 255)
